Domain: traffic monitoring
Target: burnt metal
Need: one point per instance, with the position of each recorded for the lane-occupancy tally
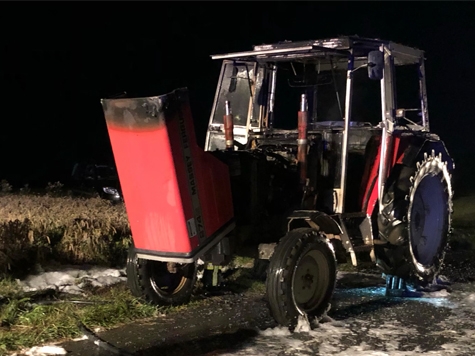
(136, 113)
(147, 113)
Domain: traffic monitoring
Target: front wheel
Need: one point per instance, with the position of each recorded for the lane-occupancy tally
(160, 283)
(301, 276)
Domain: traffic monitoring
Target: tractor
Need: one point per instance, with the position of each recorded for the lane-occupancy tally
(317, 152)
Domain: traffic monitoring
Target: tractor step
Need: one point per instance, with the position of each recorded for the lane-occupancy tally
(395, 286)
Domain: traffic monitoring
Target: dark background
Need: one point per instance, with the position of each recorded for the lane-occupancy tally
(58, 59)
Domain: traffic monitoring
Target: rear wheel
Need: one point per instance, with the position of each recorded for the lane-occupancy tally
(428, 218)
(420, 205)
(160, 283)
(301, 276)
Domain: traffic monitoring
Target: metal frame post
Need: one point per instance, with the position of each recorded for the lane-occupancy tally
(387, 117)
(423, 94)
(272, 86)
(340, 206)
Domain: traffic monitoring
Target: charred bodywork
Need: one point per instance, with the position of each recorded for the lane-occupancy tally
(324, 142)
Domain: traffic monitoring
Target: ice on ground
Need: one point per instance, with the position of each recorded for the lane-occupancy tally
(72, 280)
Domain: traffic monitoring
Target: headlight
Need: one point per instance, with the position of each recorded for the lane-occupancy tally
(109, 190)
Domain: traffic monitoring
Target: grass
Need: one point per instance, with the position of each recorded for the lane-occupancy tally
(244, 279)
(464, 211)
(25, 323)
(463, 222)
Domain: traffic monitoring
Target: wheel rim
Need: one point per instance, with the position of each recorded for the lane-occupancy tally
(428, 219)
(310, 281)
(166, 283)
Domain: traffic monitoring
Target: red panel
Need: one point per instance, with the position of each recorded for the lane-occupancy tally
(181, 167)
(214, 184)
(396, 152)
(401, 148)
(149, 185)
(210, 174)
(372, 188)
(398, 148)
(216, 204)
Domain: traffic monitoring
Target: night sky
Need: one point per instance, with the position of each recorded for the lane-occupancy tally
(58, 59)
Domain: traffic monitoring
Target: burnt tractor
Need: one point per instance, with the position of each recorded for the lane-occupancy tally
(316, 151)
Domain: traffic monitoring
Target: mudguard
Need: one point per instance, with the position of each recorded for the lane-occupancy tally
(418, 145)
(316, 219)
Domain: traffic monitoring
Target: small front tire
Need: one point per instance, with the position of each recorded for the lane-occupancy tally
(160, 283)
(301, 277)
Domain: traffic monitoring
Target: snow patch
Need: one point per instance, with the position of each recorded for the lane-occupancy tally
(84, 337)
(277, 331)
(73, 280)
(45, 350)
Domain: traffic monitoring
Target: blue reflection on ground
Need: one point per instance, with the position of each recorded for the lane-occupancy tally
(438, 299)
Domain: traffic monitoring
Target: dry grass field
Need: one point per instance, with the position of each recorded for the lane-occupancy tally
(55, 227)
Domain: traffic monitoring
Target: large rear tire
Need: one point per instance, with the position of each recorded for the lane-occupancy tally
(160, 283)
(417, 220)
(301, 276)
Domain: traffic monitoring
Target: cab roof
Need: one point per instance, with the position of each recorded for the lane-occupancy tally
(336, 47)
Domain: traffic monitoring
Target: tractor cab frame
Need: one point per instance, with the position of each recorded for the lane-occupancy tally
(248, 81)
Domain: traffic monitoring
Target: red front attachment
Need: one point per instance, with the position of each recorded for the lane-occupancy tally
(178, 197)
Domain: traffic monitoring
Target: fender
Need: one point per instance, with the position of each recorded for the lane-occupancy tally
(418, 145)
(315, 219)
(303, 218)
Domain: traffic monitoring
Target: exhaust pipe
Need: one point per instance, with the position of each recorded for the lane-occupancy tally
(302, 138)
(228, 127)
